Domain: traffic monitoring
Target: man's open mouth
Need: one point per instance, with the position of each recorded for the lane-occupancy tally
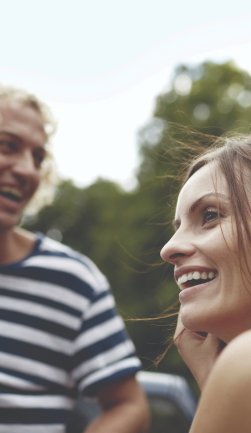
(195, 278)
(11, 193)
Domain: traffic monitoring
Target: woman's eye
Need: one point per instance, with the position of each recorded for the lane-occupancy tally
(208, 216)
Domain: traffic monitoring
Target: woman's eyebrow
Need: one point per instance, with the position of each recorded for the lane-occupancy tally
(193, 207)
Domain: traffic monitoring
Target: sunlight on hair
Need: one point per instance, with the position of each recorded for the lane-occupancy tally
(45, 193)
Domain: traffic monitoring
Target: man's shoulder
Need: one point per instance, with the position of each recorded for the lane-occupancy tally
(53, 247)
(62, 259)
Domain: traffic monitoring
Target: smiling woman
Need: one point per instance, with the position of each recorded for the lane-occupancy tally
(211, 253)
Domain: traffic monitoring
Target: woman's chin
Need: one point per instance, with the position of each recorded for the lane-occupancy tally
(194, 322)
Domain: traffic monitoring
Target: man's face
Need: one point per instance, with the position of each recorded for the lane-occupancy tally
(22, 140)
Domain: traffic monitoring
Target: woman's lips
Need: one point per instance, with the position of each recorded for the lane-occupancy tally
(188, 269)
(189, 291)
(194, 278)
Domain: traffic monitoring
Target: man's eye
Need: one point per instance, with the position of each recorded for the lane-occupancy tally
(7, 146)
(38, 158)
(209, 216)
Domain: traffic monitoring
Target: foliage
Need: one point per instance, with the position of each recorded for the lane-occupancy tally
(124, 232)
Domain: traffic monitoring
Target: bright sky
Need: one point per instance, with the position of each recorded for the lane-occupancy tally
(100, 64)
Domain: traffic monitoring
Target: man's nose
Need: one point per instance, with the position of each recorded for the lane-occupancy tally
(176, 249)
(24, 165)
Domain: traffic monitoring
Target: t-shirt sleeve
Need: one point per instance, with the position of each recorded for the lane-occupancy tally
(103, 351)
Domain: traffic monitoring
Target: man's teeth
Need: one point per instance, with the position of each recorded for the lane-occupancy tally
(197, 276)
(10, 190)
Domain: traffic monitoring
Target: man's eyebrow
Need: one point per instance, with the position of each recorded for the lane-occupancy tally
(15, 136)
(193, 207)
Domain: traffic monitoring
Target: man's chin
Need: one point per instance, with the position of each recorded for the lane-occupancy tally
(8, 222)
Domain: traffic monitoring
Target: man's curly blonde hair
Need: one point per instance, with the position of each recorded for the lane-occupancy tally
(46, 190)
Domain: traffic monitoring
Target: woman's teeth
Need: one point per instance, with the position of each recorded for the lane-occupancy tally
(197, 276)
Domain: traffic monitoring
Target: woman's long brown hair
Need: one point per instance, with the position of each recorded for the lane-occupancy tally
(232, 156)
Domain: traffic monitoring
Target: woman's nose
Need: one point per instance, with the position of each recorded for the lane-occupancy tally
(176, 249)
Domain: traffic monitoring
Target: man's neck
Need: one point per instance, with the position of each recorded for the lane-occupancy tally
(15, 245)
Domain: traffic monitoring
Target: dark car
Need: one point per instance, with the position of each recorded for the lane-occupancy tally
(170, 398)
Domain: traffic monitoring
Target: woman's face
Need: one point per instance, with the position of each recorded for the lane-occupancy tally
(203, 249)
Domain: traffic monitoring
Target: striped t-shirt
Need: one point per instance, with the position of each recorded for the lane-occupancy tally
(60, 335)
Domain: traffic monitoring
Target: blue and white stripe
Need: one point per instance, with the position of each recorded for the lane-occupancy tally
(59, 334)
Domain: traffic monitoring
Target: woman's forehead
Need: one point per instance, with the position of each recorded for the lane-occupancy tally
(207, 179)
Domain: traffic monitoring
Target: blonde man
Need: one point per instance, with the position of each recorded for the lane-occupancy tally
(60, 334)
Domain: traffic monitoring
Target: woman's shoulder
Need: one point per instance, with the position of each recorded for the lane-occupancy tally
(233, 366)
(238, 350)
(225, 401)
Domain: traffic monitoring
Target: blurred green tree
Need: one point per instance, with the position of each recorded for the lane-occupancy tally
(124, 232)
(212, 98)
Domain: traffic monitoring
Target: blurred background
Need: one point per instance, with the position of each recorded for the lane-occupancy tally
(116, 74)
